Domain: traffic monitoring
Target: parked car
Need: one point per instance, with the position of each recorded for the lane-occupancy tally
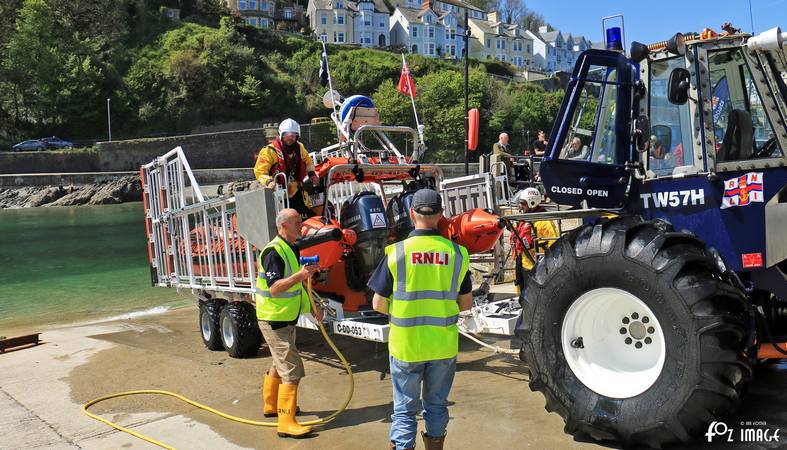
(56, 142)
(29, 145)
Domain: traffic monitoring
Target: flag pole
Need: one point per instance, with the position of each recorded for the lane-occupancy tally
(412, 99)
(333, 99)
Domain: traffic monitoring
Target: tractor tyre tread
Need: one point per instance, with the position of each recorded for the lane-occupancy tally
(716, 321)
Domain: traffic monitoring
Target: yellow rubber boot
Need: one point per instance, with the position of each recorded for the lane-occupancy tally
(270, 395)
(288, 426)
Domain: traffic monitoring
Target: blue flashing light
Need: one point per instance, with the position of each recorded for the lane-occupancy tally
(614, 40)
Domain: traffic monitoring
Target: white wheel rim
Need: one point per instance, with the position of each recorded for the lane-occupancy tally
(205, 326)
(226, 332)
(621, 351)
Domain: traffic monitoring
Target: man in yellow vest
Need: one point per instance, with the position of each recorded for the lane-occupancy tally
(422, 284)
(281, 297)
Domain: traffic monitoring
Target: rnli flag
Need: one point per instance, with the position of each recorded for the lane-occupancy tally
(743, 190)
(406, 84)
(324, 70)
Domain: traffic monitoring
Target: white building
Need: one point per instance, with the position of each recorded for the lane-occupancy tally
(555, 52)
(427, 32)
(363, 22)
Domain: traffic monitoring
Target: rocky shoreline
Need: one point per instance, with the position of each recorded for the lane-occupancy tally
(120, 190)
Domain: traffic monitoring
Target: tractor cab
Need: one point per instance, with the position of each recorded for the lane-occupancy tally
(683, 142)
(696, 105)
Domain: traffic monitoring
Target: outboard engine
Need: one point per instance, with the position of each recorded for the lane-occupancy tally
(399, 214)
(364, 213)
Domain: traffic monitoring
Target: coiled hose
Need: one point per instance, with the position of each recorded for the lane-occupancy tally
(322, 421)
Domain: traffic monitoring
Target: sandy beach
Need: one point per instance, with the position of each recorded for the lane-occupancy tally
(42, 390)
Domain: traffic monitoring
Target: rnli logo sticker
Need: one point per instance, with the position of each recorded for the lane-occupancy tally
(430, 258)
(378, 220)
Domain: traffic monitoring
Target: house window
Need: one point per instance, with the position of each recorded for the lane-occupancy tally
(324, 19)
(453, 35)
(415, 31)
(252, 4)
(367, 20)
(382, 24)
(452, 50)
(414, 49)
(430, 48)
(488, 43)
(431, 32)
(324, 37)
(341, 38)
(251, 21)
(264, 23)
(264, 5)
(339, 5)
(288, 13)
(242, 5)
(340, 19)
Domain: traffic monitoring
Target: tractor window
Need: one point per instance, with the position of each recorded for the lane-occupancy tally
(669, 146)
(741, 127)
(591, 136)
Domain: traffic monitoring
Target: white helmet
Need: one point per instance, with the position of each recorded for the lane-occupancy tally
(531, 196)
(289, 126)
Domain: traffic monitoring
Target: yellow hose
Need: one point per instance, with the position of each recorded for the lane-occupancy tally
(222, 414)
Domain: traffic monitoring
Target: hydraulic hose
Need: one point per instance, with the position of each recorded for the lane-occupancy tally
(321, 421)
(494, 348)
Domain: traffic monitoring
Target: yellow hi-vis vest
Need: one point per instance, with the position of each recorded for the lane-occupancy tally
(286, 306)
(427, 273)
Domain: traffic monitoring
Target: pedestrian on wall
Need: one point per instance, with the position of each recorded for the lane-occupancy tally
(540, 144)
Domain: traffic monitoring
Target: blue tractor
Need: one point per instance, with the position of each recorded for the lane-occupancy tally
(643, 325)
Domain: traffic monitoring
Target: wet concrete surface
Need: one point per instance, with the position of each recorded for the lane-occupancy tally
(491, 404)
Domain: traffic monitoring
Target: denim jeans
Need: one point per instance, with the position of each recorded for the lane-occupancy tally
(407, 378)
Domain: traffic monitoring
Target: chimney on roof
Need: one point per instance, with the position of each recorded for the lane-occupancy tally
(543, 29)
(427, 4)
(493, 16)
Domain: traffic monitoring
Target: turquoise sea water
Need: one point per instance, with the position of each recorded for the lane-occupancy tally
(74, 264)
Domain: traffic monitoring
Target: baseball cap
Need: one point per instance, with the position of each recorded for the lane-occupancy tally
(427, 202)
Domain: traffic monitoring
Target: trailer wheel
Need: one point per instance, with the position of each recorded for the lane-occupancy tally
(240, 334)
(209, 311)
(645, 344)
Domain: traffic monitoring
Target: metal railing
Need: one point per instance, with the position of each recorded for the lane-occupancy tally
(192, 242)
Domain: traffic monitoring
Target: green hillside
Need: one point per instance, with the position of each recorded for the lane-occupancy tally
(60, 61)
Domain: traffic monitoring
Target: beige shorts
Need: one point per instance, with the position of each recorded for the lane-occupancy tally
(286, 360)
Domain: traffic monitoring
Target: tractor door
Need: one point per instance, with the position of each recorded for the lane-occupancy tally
(590, 141)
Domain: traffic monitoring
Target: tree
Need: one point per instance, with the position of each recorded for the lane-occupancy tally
(440, 107)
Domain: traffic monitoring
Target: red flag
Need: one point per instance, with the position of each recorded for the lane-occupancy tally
(406, 84)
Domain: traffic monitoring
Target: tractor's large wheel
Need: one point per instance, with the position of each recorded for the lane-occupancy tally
(633, 335)
(240, 333)
(209, 311)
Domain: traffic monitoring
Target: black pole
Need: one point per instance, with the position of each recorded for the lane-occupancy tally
(467, 66)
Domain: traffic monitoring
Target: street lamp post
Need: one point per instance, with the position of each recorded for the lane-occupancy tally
(466, 52)
(109, 122)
